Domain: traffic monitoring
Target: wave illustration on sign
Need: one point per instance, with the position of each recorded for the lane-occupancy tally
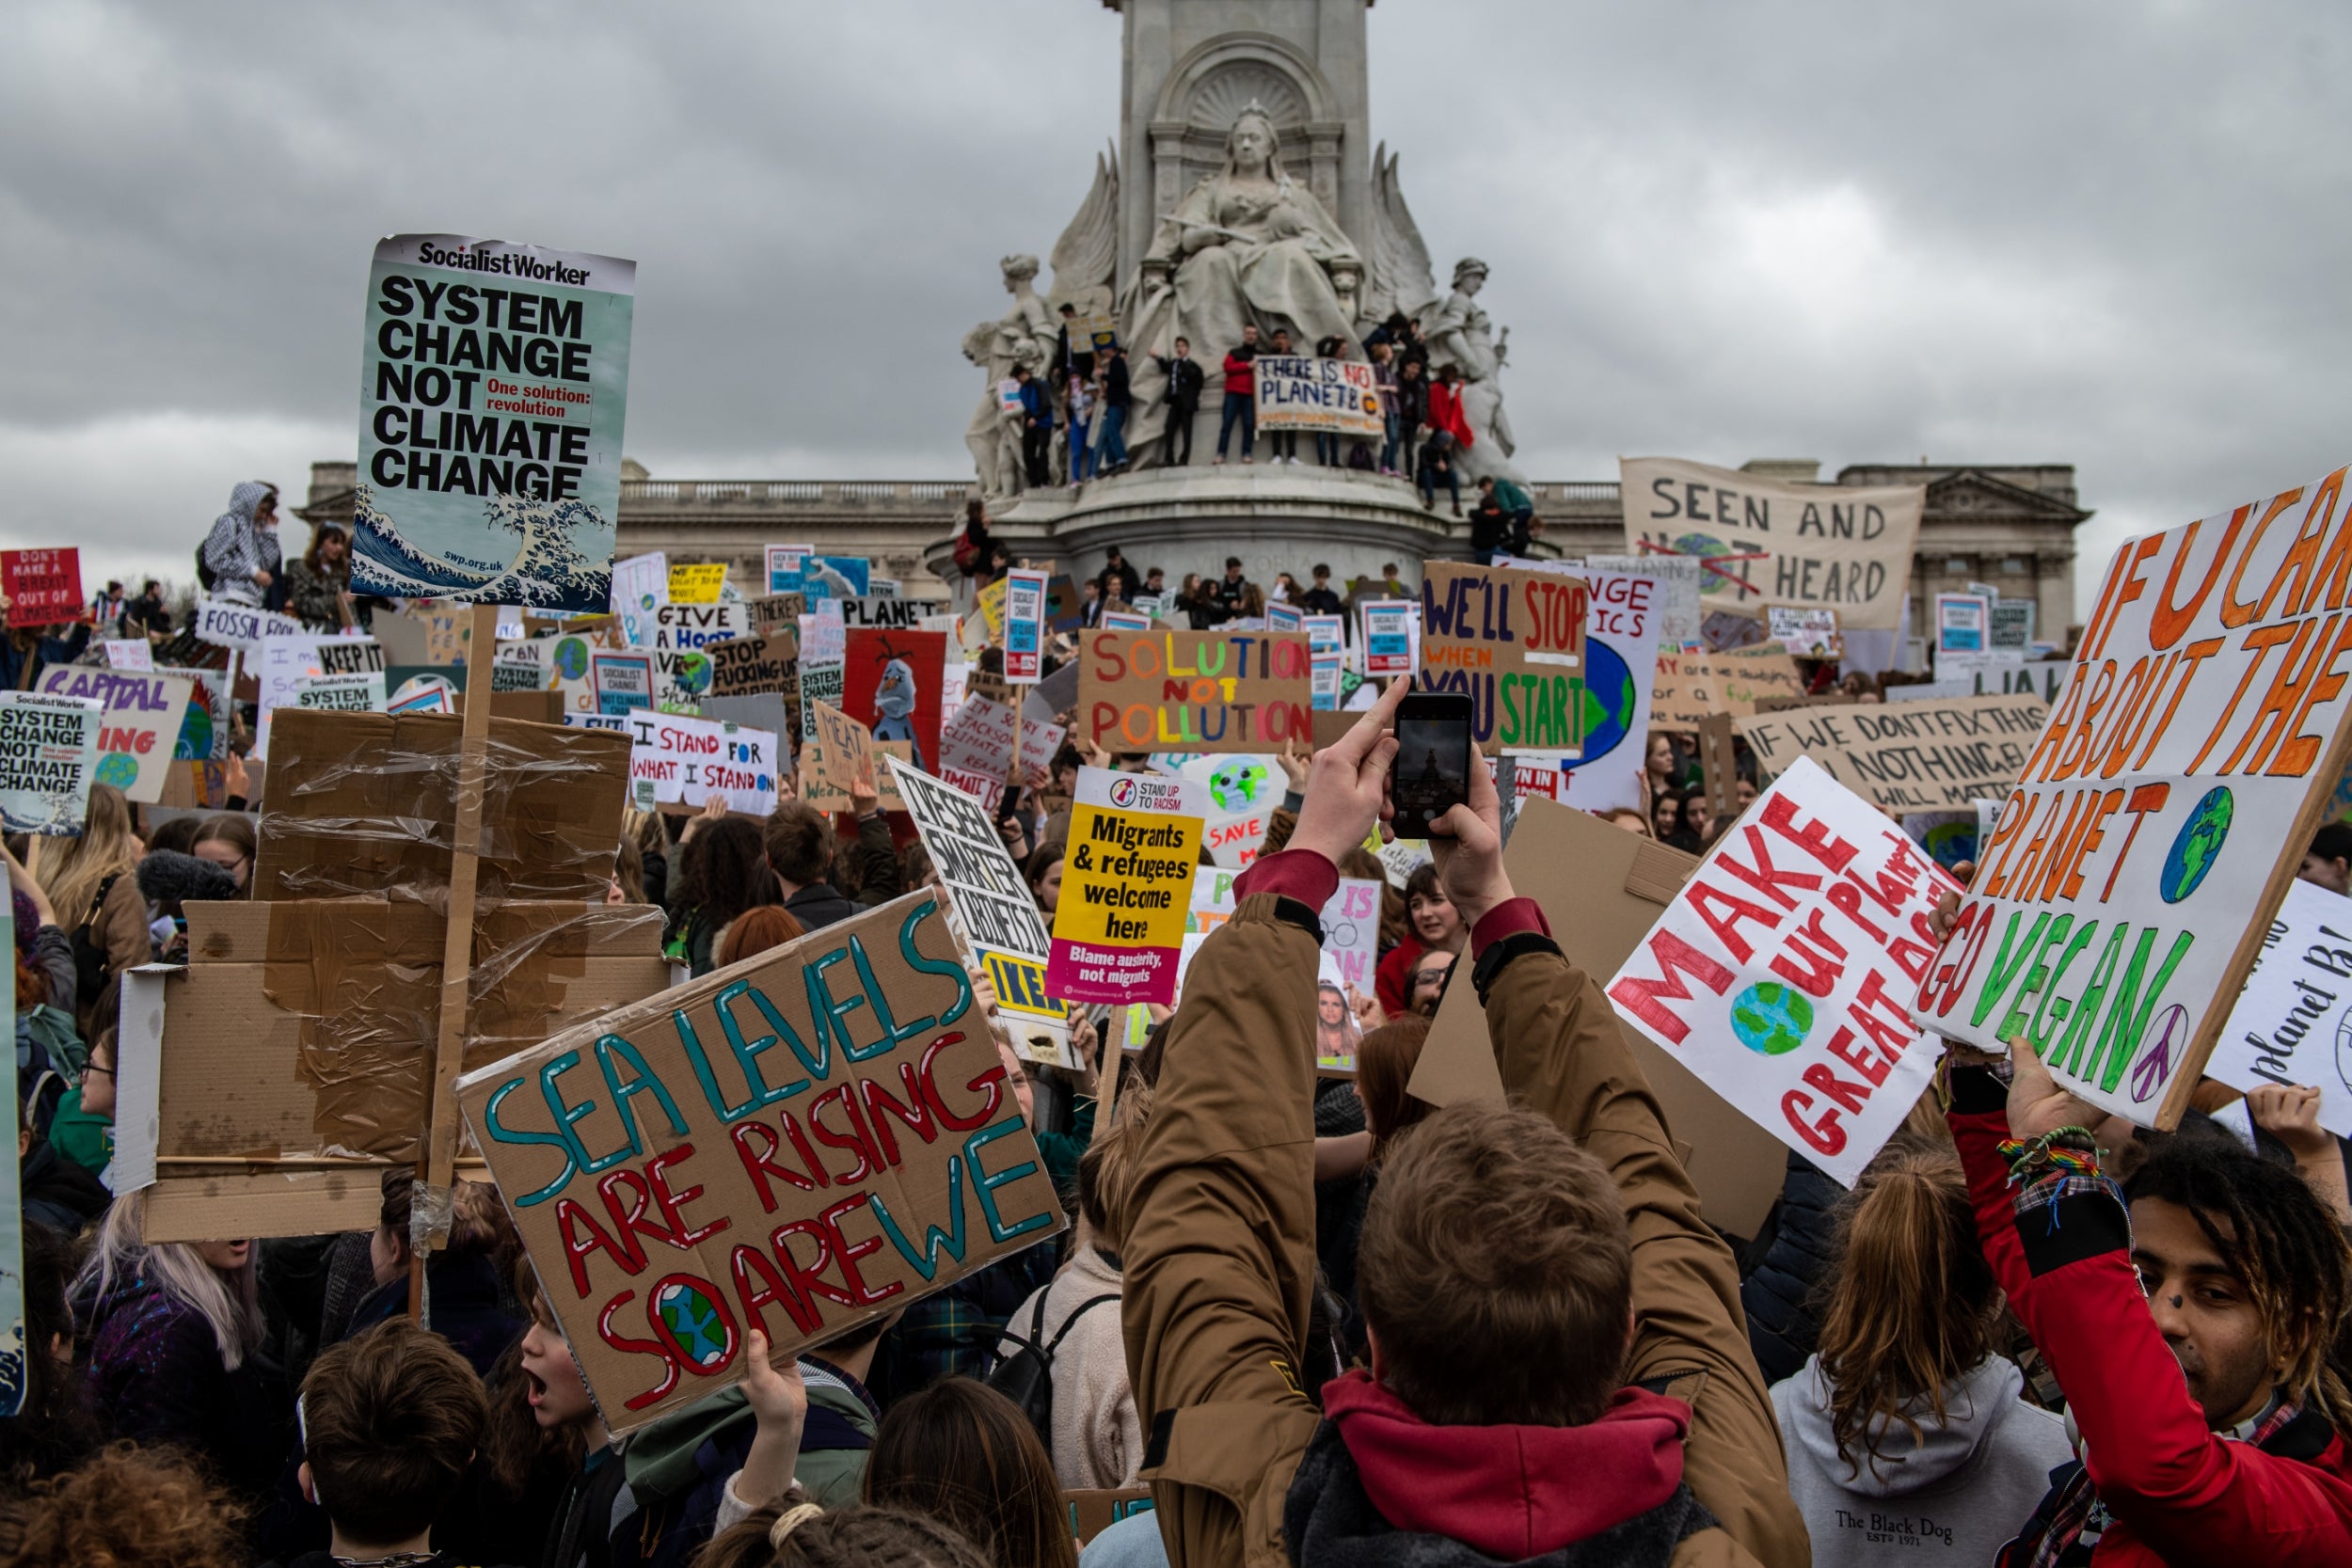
(547, 571)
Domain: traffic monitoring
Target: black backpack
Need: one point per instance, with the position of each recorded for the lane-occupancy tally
(204, 574)
(89, 954)
(1026, 1376)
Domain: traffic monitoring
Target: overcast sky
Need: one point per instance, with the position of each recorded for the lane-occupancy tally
(2112, 233)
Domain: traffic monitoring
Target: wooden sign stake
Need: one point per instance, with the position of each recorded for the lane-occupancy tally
(441, 1154)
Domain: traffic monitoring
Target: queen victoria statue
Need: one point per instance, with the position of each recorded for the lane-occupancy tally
(1247, 243)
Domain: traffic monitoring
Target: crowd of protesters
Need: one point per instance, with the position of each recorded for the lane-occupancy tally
(1324, 1322)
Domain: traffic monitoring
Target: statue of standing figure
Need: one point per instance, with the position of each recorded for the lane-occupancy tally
(1024, 334)
(1459, 334)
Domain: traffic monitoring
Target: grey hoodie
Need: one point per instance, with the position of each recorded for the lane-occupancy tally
(1955, 1498)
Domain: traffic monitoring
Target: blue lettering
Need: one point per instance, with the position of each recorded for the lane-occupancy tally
(984, 1186)
(926, 1262)
(747, 1055)
(950, 968)
(825, 1012)
(891, 1031)
(506, 1134)
(608, 1047)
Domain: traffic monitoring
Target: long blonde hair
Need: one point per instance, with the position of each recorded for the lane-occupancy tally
(231, 1304)
(106, 848)
(1913, 1303)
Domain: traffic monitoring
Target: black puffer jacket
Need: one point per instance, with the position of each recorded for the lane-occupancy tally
(1792, 1254)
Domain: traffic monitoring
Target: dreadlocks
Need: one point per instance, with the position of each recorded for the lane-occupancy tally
(2280, 1237)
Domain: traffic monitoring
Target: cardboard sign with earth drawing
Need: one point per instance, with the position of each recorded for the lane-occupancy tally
(2131, 875)
(799, 1144)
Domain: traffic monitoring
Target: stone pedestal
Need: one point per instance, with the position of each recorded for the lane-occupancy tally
(1276, 517)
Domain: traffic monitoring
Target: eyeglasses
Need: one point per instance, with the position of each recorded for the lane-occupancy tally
(102, 1071)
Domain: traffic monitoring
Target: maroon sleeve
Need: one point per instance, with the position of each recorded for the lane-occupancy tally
(1299, 874)
(2062, 1248)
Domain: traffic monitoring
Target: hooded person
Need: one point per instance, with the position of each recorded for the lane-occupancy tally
(1907, 1438)
(239, 560)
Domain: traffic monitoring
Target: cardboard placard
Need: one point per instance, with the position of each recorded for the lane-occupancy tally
(1906, 756)
(1690, 684)
(48, 760)
(835, 758)
(770, 610)
(2289, 1024)
(893, 613)
(516, 502)
(1761, 541)
(1805, 633)
(824, 1132)
(1024, 625)
(44, 587)
(756, 666)
(2133, 872)
(1514, 642)
(1783, 972)
(1093, 1511)
(1195, 690)
(1135, 842)
(140, 728)
(1602, 889)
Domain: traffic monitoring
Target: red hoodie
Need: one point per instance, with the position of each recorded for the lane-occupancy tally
(1512, 1492)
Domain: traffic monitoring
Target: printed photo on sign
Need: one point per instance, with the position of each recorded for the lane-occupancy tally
(890, 683)
(493, 389)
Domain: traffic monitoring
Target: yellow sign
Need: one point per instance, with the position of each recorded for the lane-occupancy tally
(1135, 842)
(698, 582)
(1019, 985)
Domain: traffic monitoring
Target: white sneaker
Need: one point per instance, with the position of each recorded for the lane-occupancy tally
(1244, 460)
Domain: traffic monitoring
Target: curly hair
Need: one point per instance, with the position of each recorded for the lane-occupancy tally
(125, 1507)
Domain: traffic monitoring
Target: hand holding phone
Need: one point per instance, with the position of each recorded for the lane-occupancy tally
(1432, 771)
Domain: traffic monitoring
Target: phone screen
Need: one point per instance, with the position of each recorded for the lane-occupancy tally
(1432, 770)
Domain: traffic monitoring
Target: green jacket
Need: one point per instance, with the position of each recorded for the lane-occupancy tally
(85, 1139)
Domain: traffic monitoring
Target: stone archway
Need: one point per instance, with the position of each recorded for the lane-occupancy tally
(1213, 84)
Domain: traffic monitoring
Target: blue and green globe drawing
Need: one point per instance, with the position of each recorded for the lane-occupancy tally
(1705, 545)
(1951, 843)
(118, 768)
(2199, 846)
(1771, 1019)
(695, 1324)
(1610, 701)
(571, 658)
(693, 674)
(1238, 785)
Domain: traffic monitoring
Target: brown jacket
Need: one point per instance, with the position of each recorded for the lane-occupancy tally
(1220, 1259)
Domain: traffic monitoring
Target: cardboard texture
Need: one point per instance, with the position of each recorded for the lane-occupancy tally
(140, 728)
(362, 803)
(1602, 889)
(1093, 1511)
(304, 1032)
(1194, 691)
(1906, 756)
(1513, 642)
(841, 753)
(756, 666)
(801, 1143)
(1689, 686)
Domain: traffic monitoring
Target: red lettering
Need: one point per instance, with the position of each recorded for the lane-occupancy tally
(1854, 1097)
(1676, 957)
(853, 1140)
(583, 1235)
(912, 1113)
(1780, 814)
(1826, 1136)
(760, 1164)
(770, 1290)
(658, 1174)
(992, 1082)
(847, 1253)
(620, 1341)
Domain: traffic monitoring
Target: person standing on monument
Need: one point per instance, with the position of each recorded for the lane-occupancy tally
(1072, 358)
(240, 556)
(1116, 400)
(1241, 394)
(1226, 599)
(1037, 427)
(1185, 380)
(1078, 419)
(1285, 443)
(1412, 414)
(1384, 378)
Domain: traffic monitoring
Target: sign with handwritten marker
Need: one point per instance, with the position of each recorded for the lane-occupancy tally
(1167, 690)
(799, 1144)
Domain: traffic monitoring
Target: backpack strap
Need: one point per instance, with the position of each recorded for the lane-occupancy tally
(97, 903)
(1071, 1321)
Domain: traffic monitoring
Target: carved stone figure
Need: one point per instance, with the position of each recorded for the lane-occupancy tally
(1459, 334)
(1024, 334)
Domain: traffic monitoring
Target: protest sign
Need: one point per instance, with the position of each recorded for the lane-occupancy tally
(1692, 685)
(1964, 634)
(697, 582)
(130, 653)
(493, 385)
(1512, 641)
(2012, 624)
(770, 610)
(785, 564)
(421, 696)
(1908, 756)
(1124, 620)
(1326, 634)
(1805, 633)
(1024, 626)
(825, 577)
(142, 717)
(991, 909)
(1387, 632)
(1234, 839)
(890, 683)
(1619, 683)
(753, 666)
(991, 602)
(1195, 690)
(678, 760)
(14, 1341)
(1127, 873)
(1783, 972)
(1676, 599)
(2289, 1027)
(1325, 671)
(837, 755)
(44, 587)
(1351, 931)
(1302, 392)
(203, 734)
(361, 691)
(1064, 609)
(681, 679)
(929, 1172)
(882, 588)
(2134, 871)
(1724, 629)
(1283, 617)
(824, 651)
(698, 626)
(640, 586)
(976, 748)
(225, 624)
(1761, 541)
(893, 613)
(48, 760)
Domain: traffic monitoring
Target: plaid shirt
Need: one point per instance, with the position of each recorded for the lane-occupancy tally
(954, 1332)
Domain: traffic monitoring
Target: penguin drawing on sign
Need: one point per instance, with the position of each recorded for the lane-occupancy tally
(895, 698)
